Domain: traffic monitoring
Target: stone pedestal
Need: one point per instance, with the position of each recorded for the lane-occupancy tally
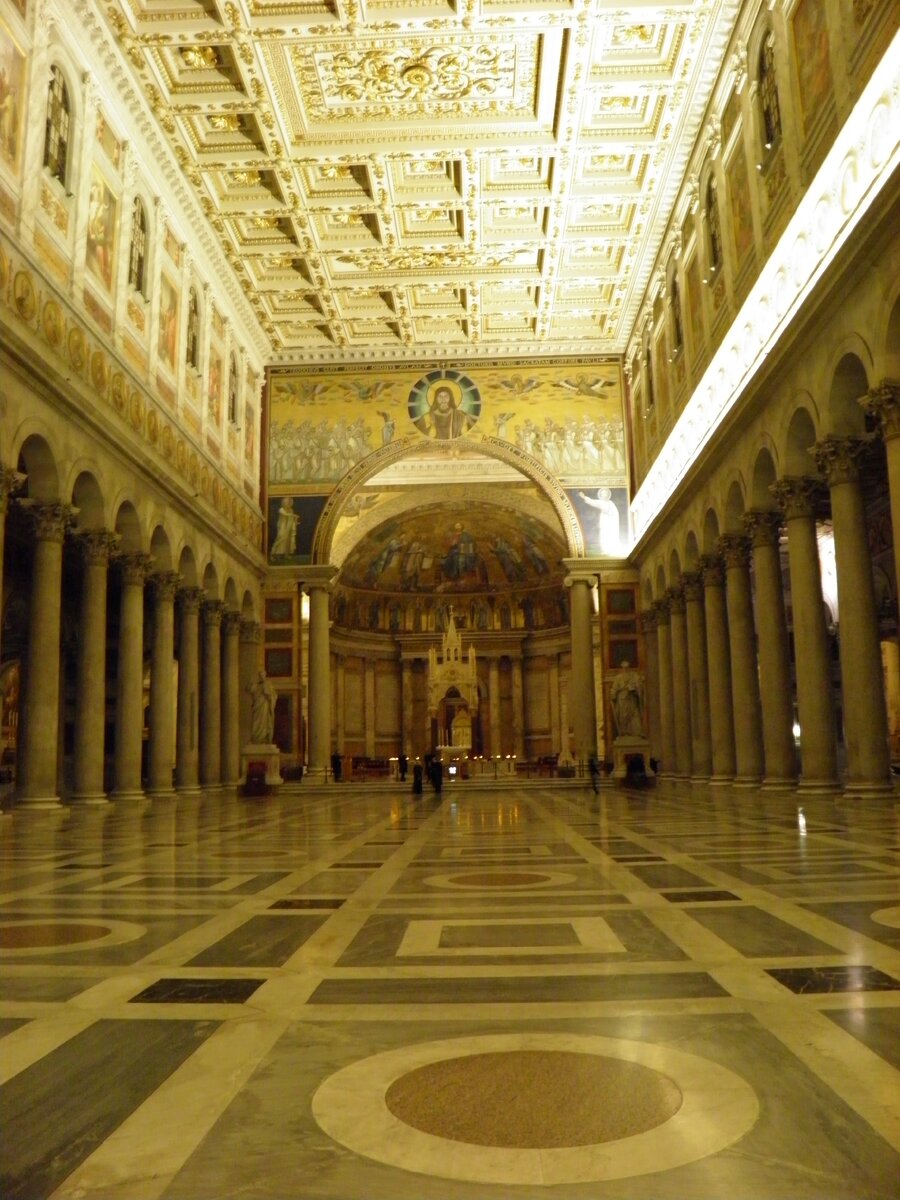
(627, 747)
(262, 752)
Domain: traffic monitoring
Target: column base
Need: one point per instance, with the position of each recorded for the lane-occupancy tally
(721, 781)
(128, 794)
(746, 781)
(36, 803)
(774, 784)
(857, 789)
(160, 793)
(315, 774)
(189, 789)
(818, 787)
(95, 798)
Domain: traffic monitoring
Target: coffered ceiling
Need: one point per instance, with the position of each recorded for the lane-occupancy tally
(400, 180)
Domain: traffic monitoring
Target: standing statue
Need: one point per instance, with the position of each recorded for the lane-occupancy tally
(262, 711)
(627, 695)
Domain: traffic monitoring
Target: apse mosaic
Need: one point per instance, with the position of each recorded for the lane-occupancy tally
(454, 548)
(567, 417)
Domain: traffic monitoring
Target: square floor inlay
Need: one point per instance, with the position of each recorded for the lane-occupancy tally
(695, 897)
(834, 979)
(197, 991)
(480, 936)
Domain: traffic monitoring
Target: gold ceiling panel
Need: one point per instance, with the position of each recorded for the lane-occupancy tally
(391, 178)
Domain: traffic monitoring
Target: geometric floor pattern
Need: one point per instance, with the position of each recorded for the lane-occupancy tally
(362, 994)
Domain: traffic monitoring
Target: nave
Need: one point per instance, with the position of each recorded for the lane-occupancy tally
(354, 993)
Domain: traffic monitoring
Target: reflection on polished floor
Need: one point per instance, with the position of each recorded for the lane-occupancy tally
(533, 992)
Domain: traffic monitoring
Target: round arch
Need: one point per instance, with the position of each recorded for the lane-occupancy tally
(491, 447)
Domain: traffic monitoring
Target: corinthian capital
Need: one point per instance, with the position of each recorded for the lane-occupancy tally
(165, 585)
(763, 526)
(51, 521)
(735, 549)
(134, 568)
(839, 458)
(97, 545)
(883, 403)
(676, 601)
(713, 570)
(10, 482)
(797, 495)
(692, 584)
(212, 611)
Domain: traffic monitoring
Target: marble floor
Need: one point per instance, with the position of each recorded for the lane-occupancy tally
(361, 994)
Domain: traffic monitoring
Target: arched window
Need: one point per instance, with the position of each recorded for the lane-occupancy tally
(137, 260)
(768, 92)
(56, 141)
(675, 302)
(232, 390)
(192, 349)
(713, 225)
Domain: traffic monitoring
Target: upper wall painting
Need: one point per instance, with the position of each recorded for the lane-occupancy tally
(12, 99)
(566, 416)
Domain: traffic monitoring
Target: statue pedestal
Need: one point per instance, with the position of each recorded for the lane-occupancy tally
(266, 753)
(626, 748)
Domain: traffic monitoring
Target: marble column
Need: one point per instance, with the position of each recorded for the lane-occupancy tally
(748, 744)
(651, 678)
(211, 695)
(129, 737)
(698, 674)
(161, 751)
(250, 638)
(797, 496)
(518, 701)
(764, 531)
(231, 693)
(317, 584)
(369, 706)
(494, 706)
(10, 482)
(338, 664)
(406, 708)
(666, 701)
(681, 684)
(90, 688)
(862, 678)
(37, 751)
(558, 742)
(187, 728)
(581, 704)
(721, 711)
(883, 403)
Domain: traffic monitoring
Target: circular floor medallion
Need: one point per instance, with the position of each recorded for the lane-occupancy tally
(533, 1099)
(502, 879)
(683, 1108)
(37, 935)
(888, 916)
